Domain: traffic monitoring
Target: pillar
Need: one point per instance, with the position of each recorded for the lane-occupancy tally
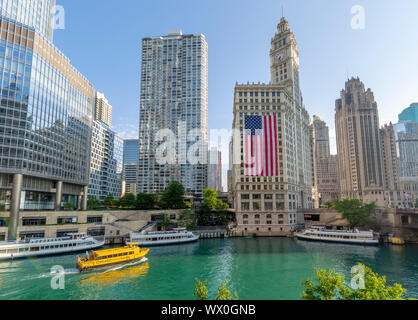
(15, 207)
(58, 196)
(85, 193)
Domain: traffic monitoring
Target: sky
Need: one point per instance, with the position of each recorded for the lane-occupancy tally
(102, 38)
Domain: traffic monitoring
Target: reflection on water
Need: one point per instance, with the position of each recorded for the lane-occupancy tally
(117, 276)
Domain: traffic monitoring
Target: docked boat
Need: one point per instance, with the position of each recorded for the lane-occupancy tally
(48, 246)
(111, 257)
(176, 236)
(318, 233)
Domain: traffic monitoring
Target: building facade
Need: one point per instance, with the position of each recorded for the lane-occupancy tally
(406, 133)
(410, 114)
(45, 124)
(365, 153)
(269, 203)
(215, 169)
(174, 108)
(106, 162)
(325, 165)
(103, 110)
(130, 166)
(37, 14)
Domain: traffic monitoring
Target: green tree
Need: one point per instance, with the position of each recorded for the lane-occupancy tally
(331, 286)
(145, 201)
(108, 201)
(163, 222)
(224, 293)
(355, 211)
(127, 201)
(204, 215)
(186, 220)
(201, 291)
(211, 202)
(93, 203)
(173, 197)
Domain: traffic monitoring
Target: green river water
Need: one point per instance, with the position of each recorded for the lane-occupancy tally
(257, 268)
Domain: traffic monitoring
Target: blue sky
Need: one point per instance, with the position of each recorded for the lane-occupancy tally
(103, 40)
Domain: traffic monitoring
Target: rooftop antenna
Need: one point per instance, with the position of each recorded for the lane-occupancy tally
(282, 11)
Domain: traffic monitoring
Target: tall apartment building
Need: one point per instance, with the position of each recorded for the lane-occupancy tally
(326, 165)
(103, 110)
(106, 162)
(272, 177)
(45, 116)
(364, 150)
(215, 169)
(174, 101)
(130, 166)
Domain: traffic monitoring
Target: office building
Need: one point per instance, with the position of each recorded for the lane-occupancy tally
(130, 166)
(365, 153)
(326, 165)
(272, 169)
(45, 117)
(215, 169)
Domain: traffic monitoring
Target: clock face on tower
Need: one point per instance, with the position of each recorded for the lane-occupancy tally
(280, 56)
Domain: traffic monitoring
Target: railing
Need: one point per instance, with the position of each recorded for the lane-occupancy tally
(38, 205)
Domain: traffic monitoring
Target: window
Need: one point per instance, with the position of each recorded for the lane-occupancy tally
(256, 206)
(34, 221)
(245, 197)
(268, 206)
(256, 196)
(94, 219)
(268, 196)
(245, 206)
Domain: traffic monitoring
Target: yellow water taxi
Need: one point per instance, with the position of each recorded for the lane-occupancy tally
(111, 257)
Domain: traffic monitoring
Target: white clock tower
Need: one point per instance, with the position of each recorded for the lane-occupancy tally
(284, 60)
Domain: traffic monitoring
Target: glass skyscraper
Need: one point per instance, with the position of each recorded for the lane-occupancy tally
(34, 13)
(130, 166)
(45, 116)
(174, 96)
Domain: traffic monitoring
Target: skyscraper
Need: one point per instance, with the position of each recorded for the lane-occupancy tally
(365, 153)
(272, 169)
(37, 14)
(406, 133)
(106, 162)
(130, 166)
(410, 114)
(326, 165)
(103, 110)
(215, 169)
(45, 116)
(174, 101)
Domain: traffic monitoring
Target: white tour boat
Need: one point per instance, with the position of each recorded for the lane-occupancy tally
(156, 238)
(317, 233)
(48, 246)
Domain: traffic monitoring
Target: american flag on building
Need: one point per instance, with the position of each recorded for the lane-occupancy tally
(260, 141)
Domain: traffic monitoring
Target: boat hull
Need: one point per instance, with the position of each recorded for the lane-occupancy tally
(344, 241)
(163, 242)
(110, 265)
(46, 253)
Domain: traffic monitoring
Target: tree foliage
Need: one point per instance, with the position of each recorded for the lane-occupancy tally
(355, 211)
(108, 201)
(93, 203)
(127, 201)
(331, 286)
(145, 201)
(224, 293)
(173, 197)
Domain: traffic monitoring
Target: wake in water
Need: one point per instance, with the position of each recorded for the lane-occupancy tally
(126, 265)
